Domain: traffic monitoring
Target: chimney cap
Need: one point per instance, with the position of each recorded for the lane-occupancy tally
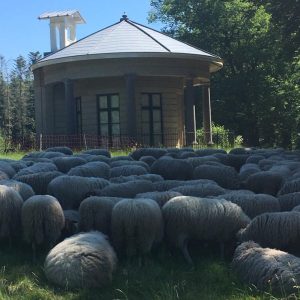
(124, 17)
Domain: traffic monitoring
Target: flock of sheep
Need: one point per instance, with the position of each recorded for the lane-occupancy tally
(91, 208)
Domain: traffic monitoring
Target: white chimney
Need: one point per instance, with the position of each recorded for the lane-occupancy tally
(62, 27)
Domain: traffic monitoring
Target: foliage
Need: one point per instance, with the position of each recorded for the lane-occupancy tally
(257, 93)
(223, 138)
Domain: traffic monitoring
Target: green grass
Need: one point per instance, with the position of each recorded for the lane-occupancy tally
(163, 277)
(12, 155)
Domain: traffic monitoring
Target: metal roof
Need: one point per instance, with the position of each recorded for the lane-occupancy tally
(63, 13)
(123, 39)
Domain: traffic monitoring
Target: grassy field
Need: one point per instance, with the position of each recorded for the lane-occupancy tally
(164, 277)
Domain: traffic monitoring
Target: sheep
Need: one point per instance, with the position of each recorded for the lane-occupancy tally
(288, 187)
(85, 260)
(149, 160)
(127, 189)
(239, 151)
(120, 163)
(51, 155)
(254, 159)
(276, 230)
(36, 168)
(91, 169)
(223, 158)
(71, 190)
(253, 204)
(3, 176)
(18, 165)
(66, 163)
(199, 190)
(209, 151)
(289, 201)
(267, 269)
(237, 160)
(149, 177)
(10, 213)
(25, 190)
(71, 223)
(247, 170)
(296, 208)
(173, 169)
(39, 181)
(64, 150)
(127, 170)
(42, 221)
(155, 152)
(160, 197)
(188, 154)
(121, 157)
(189, 218)
(95, 213)
(197, 161)
(225, 176)
(264, 182)
(136, 225)
(102, 152)
(7, 169)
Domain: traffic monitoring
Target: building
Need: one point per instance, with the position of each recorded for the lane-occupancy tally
(124, 80)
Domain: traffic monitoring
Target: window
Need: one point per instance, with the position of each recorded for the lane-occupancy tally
(78, 115)
(152, 127)
(108, 115)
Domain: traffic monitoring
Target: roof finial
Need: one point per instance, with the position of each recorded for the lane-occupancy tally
(124, 17)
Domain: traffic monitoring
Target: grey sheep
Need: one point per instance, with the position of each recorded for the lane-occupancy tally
(66, 163)
(121, 157)
(39, 181)
(91, 169)
(197, 161)
(120, 163)
(149, 160)
(71, 223)
(149, 177)
(25, 190)
(136, 225)
(200, 190)
(289, 201)
(276, 230)
(237, 160)
(64, 150)
(42, 221)
(85, 260)
(127, 189)
(247, 170)
(160, 197)
(102, 152)
(288, 187)
(209, 151)
(7, 169)
(3, 176)
(253, 204)
(36, 168)
(174, 169)
(267, 269)
(296, 208)
(95, 213)
(264, 182)
(71, 190)
(188, 218)
(155, 152)
(10, 213)
(254, 159)
(127, 170)
(225, 176)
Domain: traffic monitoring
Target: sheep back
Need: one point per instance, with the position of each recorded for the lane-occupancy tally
(23, 189)
(91, 169)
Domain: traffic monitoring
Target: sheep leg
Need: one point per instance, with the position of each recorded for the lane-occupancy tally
(186, 254)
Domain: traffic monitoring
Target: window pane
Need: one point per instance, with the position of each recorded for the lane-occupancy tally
(156, 115)
(115, 129)
(157, 127)
(103, 102)
(114, 101)
(103, 117)
(156, 100)
(104, 129)
(145, 116)
(145, 100)
(115, 117)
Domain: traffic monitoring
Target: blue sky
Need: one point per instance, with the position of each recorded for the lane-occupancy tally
(21, 31)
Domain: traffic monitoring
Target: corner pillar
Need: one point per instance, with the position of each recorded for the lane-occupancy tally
(130, 80)
(206, 108)
(70, 107)
(190, 113)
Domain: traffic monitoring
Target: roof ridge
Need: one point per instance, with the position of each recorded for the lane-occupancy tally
(176, 39)
(154, 39)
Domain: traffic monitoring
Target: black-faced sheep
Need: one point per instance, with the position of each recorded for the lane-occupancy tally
(174, 169)
(42, 221)
(91, 169)
(267, 269)
(10, 213)
(136, 226)
(160, 197)
(95, 213)
(225, 176)
(204, 219)
(85, 260)
(276, 230)
(23, 189)
(71, 190)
